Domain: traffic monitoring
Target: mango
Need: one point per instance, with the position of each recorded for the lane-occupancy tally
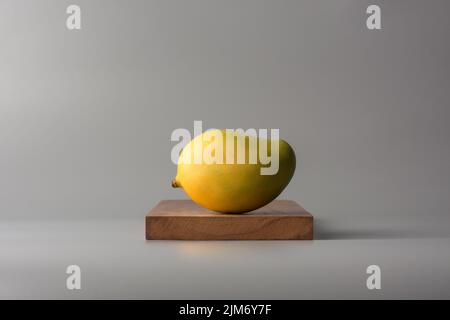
(229, 181)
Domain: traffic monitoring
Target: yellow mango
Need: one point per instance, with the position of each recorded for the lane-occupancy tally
(231, 180)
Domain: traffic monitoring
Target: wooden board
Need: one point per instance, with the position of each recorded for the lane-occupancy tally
(185, 220)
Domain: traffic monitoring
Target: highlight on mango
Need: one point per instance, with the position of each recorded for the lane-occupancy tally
(228, 146)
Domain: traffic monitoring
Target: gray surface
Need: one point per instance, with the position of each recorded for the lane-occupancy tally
(86, 118)
(117, 262)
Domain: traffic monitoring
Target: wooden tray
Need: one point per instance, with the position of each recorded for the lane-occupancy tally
(185, 220)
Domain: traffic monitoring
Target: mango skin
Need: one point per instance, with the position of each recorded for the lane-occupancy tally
(233, 188)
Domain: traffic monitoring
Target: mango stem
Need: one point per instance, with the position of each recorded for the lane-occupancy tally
(175, 183)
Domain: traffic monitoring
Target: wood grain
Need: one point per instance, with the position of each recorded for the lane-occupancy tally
(185, 220)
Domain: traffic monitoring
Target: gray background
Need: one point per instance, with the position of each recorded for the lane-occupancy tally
(86, 118)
